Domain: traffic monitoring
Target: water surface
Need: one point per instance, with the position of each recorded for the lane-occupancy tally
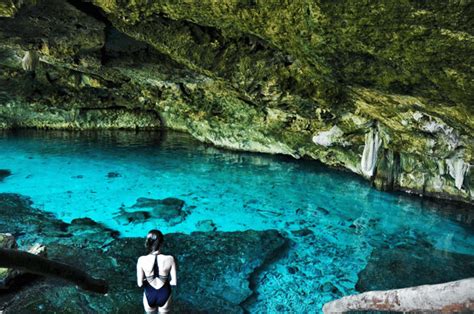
(338, 224)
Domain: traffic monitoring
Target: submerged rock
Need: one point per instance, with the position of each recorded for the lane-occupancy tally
(302, 232)
(132, 217)
(170, 209)
(4, 173)
(113, 174)
(206, 225)
(413, 265)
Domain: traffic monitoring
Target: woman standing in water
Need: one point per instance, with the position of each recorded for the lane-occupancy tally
(157, 273)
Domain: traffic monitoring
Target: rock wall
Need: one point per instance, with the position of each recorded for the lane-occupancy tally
(383, 89)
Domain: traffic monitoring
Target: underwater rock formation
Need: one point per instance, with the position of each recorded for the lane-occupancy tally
(4, 173)
(259, 76)
(427, 266)
(214, 268)
(169, 209)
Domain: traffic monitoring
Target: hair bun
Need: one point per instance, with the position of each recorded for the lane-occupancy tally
(153, 241)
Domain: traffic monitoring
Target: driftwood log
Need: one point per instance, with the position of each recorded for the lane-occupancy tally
(454, 296)
(8, 275)
(31, 263)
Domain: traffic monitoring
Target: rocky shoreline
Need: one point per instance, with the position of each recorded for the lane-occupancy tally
(214, 267)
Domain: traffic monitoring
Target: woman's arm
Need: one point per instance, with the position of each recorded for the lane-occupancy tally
(174, 280)
(140, 274)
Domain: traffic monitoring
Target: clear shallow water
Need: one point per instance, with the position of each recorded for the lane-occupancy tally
(345, 219)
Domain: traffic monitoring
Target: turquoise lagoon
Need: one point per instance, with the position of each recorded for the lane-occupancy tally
(338, 224)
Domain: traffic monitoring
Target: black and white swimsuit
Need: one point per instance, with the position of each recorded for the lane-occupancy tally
(157, 297)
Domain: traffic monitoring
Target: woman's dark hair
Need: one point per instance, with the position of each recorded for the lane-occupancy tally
(154, 240)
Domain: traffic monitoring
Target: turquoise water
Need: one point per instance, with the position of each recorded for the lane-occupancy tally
(344, 219)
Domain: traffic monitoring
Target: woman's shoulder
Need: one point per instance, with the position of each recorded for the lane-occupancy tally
(141, 258)
(169, 257)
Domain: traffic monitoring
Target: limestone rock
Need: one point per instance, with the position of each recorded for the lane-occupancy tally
(457, 170)
(327, 138)
(228, 73)
(452, 297)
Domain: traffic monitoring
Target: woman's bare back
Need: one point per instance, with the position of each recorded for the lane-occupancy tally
(166, 265)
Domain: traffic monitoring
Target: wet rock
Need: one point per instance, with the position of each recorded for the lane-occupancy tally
(86, 228)
(413, 265)
(7, 241)
(19, 218)
(214, 268)
(30, 225)
(206, 225)
(4, 173)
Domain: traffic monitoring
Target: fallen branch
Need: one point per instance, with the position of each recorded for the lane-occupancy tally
(27, 262)
(454, 296)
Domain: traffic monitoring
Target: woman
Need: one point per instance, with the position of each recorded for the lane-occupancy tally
(157, 273)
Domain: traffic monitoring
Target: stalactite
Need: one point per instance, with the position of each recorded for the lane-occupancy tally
(369, 156)
(327, 138)
(457, 169)
(30, 61)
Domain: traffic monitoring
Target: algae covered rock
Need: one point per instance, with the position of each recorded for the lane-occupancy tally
(316, 79)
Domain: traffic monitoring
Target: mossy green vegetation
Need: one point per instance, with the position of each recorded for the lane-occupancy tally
(262, 76)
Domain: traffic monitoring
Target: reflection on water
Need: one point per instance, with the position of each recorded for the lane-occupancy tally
(341, 228)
